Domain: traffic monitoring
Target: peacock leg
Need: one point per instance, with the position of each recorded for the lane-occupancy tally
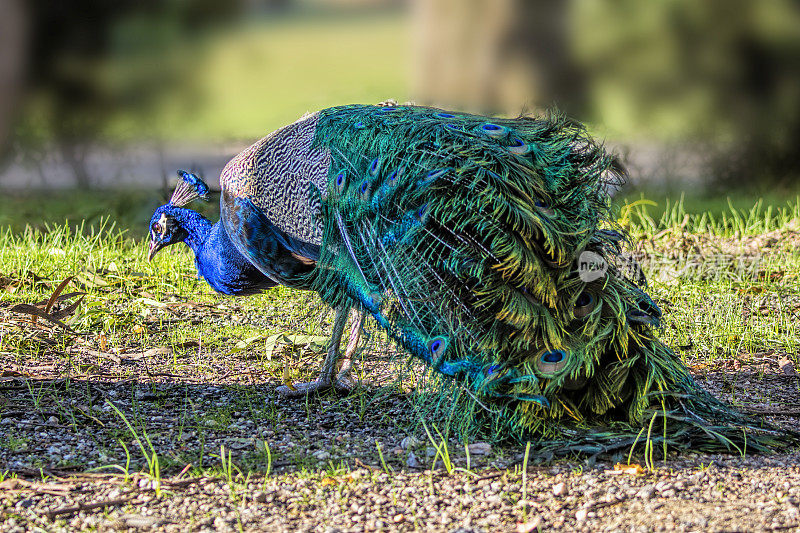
(344, 379)
(325, 379)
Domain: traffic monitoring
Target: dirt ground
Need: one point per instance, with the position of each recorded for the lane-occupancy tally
(334, 463)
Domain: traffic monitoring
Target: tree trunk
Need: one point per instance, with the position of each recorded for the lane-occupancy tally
(13, 62)
(494, 55)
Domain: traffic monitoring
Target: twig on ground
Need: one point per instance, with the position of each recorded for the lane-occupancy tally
(89, 506)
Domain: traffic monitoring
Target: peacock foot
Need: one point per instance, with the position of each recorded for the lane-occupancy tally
(344, 383)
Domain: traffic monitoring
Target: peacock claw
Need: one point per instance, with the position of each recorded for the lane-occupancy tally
(344, 384)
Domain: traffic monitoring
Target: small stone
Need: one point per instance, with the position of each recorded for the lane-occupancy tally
(531, 525)
(139, 521)
(480, 448)
(260, 497)
(52, 421)
(662, 486)
(220, 524)
(412, 461)
(787, 366)
(24, 503)
(410, 442)
(321, 455)
(526, 505)
(559, 489)
(646, 493)
(581, 515)
(398, 518)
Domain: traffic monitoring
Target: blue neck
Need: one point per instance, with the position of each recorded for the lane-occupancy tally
(216, 258)
(197, 226)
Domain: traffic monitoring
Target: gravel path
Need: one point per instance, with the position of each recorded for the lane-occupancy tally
(716, 494)
(338, 463)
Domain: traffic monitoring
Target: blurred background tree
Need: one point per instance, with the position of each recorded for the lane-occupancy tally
(724, 73)
(721, 73)
(716, 82)
(13, 54)
(496, 55)
(86, 62)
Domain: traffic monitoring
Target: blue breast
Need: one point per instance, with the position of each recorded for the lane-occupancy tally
(225, 269)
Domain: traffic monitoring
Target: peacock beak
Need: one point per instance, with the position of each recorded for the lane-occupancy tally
(155, 246)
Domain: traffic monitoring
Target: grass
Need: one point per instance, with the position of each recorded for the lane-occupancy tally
(241, 80)
(355, 59)
(728, 290)
(714, 270)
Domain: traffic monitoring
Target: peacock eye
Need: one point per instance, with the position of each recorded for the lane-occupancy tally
(156, 227)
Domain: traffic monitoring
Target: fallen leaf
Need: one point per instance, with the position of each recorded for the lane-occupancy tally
(188, 344)
(787, 367)
(34, 311)
(632, 469)
(287, 377)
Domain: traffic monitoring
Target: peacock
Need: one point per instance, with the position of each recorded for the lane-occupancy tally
(484, 247)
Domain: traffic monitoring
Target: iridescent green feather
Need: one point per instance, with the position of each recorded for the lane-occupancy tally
(461, 237)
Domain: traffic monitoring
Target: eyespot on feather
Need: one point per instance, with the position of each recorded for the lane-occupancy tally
(584, 305)
(444, 115)
(374, 166)
(494, 131)
(544, 208)
(340, 180)
(550, 362)
(364, 188)
(432, 176)
(437, 346)
(518, 147)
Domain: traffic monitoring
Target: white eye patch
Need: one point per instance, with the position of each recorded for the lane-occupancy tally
(159, 229)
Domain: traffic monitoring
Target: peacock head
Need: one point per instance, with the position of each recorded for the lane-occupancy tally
(165, 229)
(166, 224)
